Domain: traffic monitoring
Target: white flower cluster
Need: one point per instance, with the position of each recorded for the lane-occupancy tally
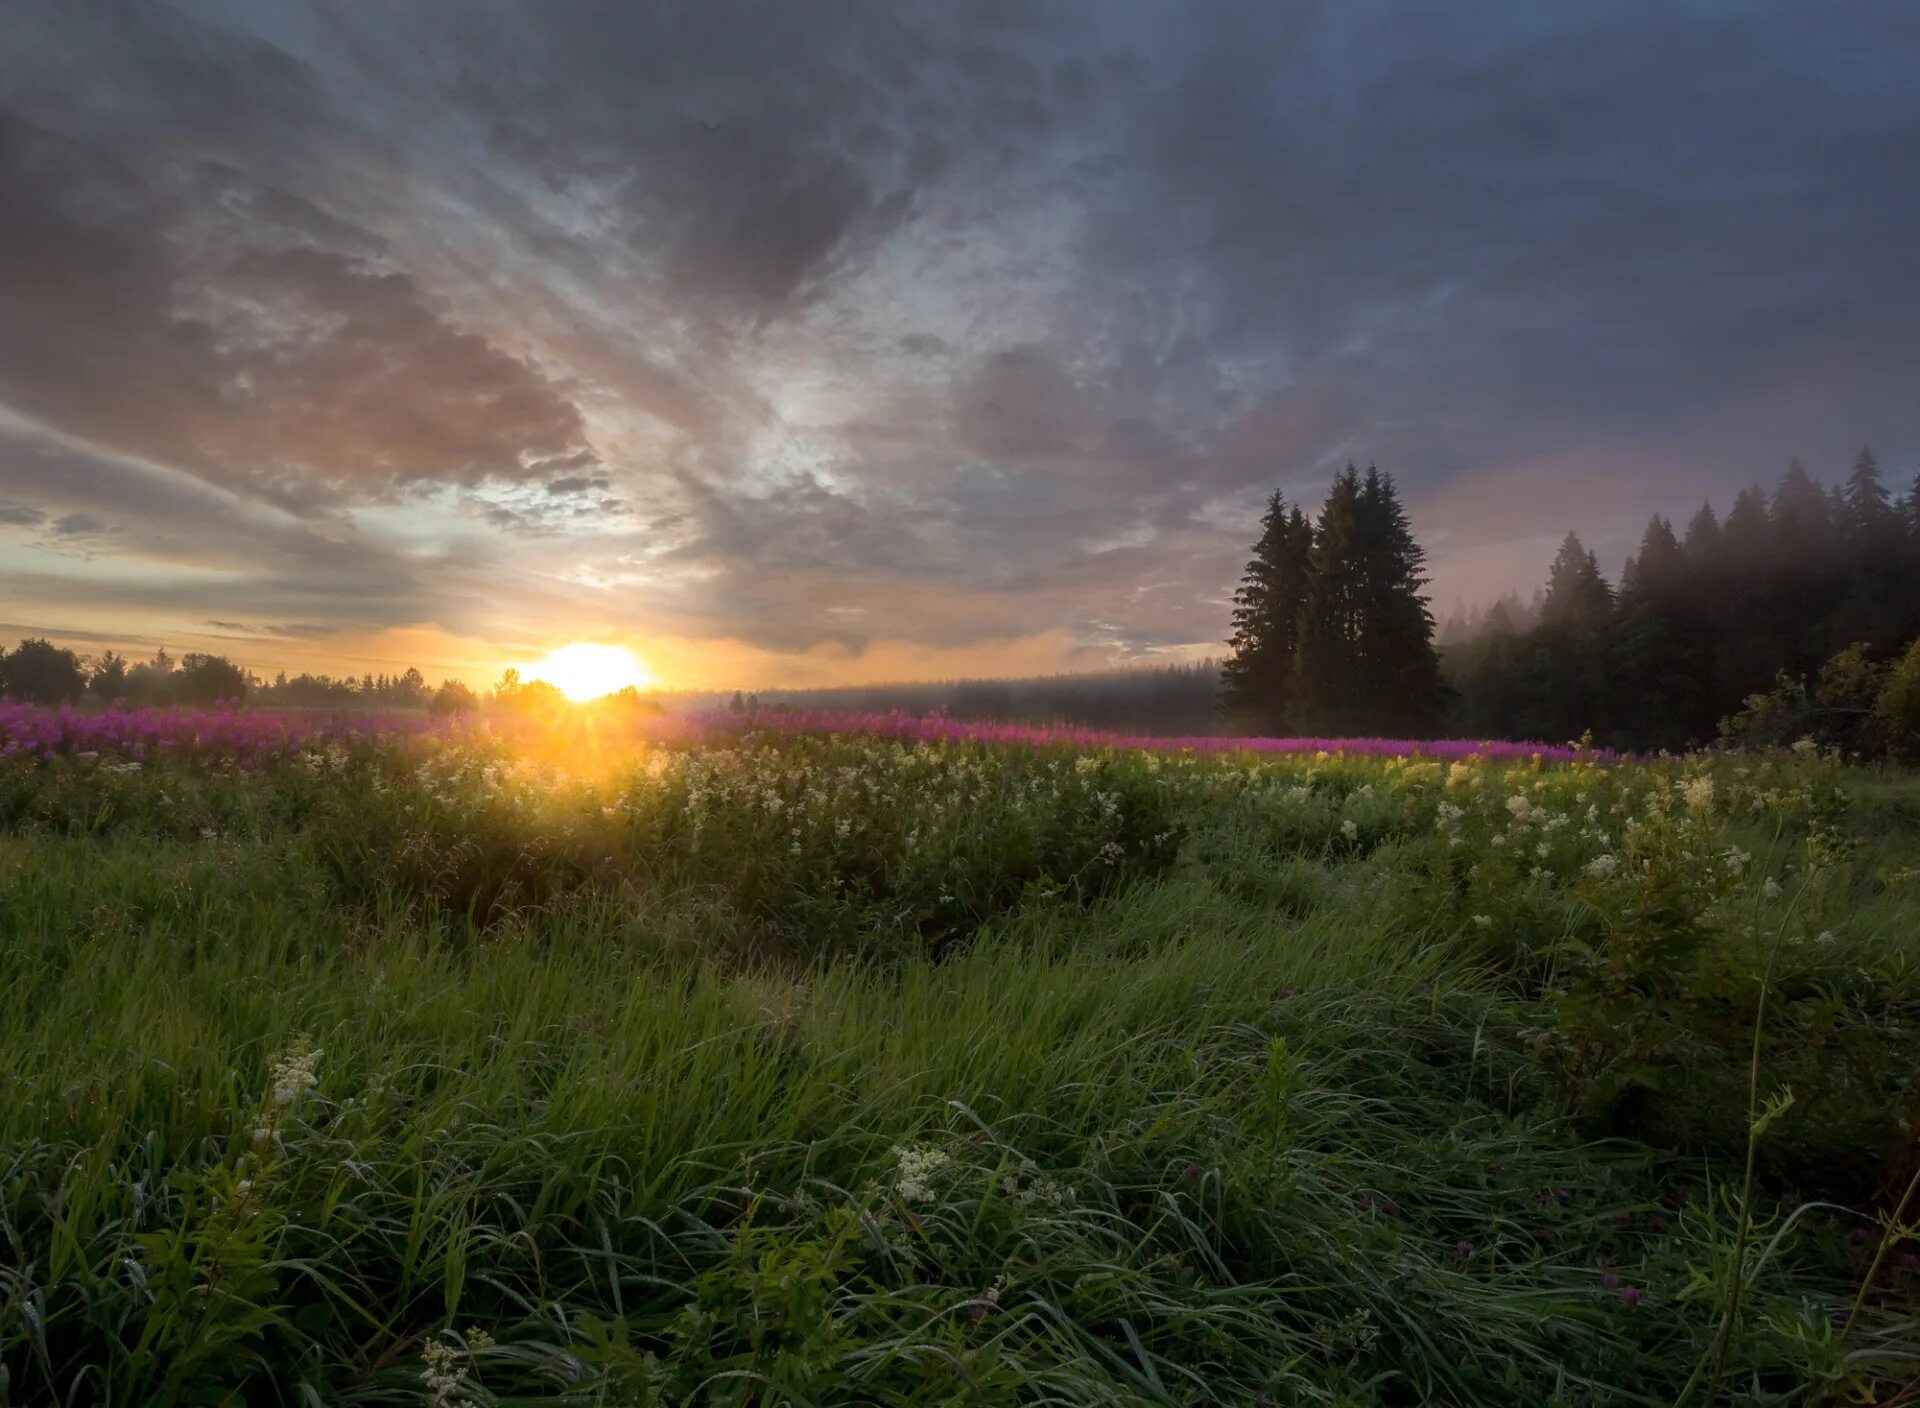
(294, 1072)
(445, 1374)
(917, 1170)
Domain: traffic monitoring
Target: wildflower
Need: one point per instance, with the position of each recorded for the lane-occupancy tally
(1463, 1249)
(295, 1071)
(1600, 867)
(1632, 1295)
(1348, 829)
(1824, 937)
(1699, 794)
(918, 1166)
(1804, 746)
(445, 1376)
(1190, 1172)
(1520, 807)
(1483, 921)
(1770, 888)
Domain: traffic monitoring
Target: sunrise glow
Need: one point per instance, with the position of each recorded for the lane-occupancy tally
(582, 671)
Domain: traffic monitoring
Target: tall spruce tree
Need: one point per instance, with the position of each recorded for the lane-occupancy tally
(1366, 662)
(1652, 669)
(1871, 520)
(1578, 597)
(1402, 692)
(1653, 575)
(1326, 673)
(1256, 690)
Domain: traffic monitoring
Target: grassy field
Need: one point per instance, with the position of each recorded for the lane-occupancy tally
(829, 1070)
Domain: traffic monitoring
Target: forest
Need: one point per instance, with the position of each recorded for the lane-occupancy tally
(1787, 618)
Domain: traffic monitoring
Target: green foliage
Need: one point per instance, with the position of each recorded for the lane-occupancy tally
(1896, 710)
(1720, 624)
(1331, 631)
(423, 1073)
(210, 679)
(452, 700)
(40, 672)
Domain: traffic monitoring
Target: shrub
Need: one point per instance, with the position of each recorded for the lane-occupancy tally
(40, 672)
(210, 679)
(1896, 712)
(452, 699)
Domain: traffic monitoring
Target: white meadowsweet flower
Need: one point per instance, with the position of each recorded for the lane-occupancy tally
(1600, 867)
(1349, 829)
(917, 1168)
(1770, 888)
(295, 1071)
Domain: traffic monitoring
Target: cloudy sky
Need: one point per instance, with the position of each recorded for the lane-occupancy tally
(798, 342)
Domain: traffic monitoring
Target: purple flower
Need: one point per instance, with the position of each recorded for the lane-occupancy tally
(1190, 1172)
(1632, 1295)
(1611, 1281)
(1463, 1249)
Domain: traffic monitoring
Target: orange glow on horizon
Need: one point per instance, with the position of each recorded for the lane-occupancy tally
(583, 671)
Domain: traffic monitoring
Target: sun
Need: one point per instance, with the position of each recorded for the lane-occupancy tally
(582, 671)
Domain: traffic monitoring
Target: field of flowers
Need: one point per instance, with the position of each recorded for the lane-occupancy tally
(830, 1059)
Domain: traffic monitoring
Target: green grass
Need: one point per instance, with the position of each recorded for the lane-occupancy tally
(955, 1106)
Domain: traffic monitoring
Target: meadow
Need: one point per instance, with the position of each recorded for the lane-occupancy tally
(826, 1060)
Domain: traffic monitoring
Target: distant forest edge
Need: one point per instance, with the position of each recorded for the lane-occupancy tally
(1794, 617)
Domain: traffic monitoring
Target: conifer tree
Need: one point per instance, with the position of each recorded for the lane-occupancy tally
(1702, 543)
(1871, 521)
(1326, 673)
(1744, 535)
(1578, 597)
(1257, 680)
(1653, 575)
(1401, 690)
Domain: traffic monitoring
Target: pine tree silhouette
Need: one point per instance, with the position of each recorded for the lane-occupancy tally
(1256, 692)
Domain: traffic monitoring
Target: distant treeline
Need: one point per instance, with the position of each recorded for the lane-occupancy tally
(41, 672)
(1702, 619)
(1175, 700)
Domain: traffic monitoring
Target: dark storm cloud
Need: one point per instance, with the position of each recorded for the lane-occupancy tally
(169, 303)
(945, 322)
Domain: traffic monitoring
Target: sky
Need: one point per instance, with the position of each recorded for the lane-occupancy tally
(823, 342)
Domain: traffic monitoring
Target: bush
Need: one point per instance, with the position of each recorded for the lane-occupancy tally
(1896, 712)
(451, 699)
(211, 679)
(1838, 711)
(40, 672)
